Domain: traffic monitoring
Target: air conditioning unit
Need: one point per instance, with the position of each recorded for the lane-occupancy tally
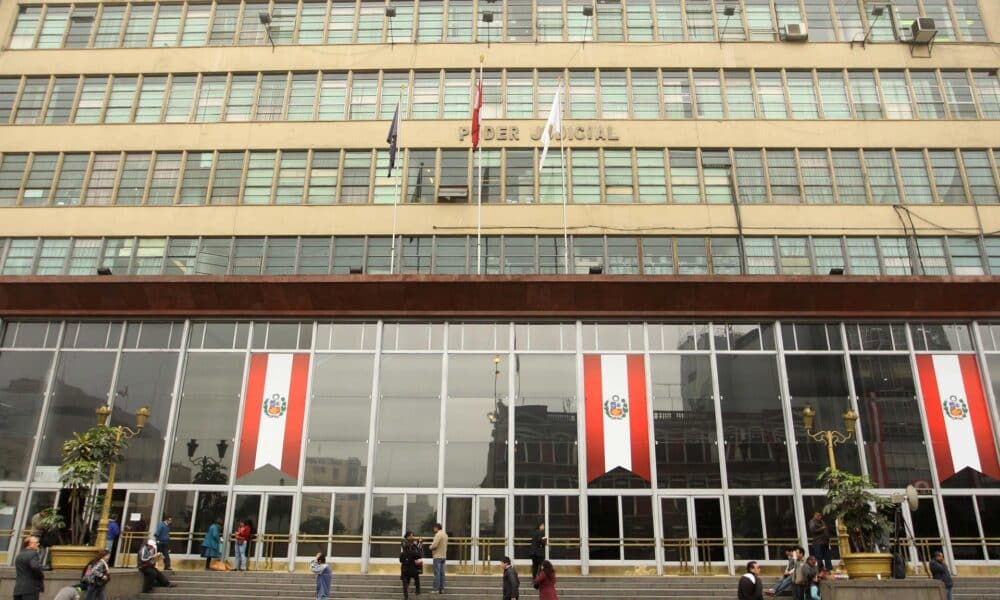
(923, 30)
(796, 32)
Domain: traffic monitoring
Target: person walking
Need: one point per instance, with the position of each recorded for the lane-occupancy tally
(211, 546)
(819, 532)
(511, 582)
(29, 579)
(410, 563)
(537, 550)
(324, 575)
(111, 541)
(162, 537)
(750, 586)
(242, 541)
(940, 571)
(545, 582)
(96, 575)
(439, 553)
(146, 561)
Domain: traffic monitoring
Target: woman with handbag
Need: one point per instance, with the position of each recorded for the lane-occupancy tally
(545, 582)
(211, 546)
(410, 563)
(96, 575)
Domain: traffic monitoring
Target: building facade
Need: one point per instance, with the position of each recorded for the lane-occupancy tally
(758, 205)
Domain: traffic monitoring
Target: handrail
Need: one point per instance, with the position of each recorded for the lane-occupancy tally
(683, 548)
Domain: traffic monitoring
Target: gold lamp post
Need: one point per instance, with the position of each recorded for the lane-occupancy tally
(121, 431)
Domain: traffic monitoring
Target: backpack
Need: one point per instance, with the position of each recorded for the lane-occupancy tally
(87, 579)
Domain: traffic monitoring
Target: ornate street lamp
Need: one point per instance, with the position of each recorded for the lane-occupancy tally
(121, 432)
(830, 437)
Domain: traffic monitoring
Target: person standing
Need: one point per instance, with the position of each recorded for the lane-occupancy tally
(940, 571)
(162, 537)
(97, 575)
(820, 542)
(538, 543)
(511, 582)
(29, 580)
(750, 587)
(147, 566)
(111, 541)
(545, 582)
(798, 577)
(439, 553)
(321, 569)
(242, 540)
(409, 556)
(211, 546)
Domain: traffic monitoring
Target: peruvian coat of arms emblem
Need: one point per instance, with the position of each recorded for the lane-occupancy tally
(616, 407)
(275, 406)
(955, 407)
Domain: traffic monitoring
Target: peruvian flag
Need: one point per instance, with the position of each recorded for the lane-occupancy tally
(273, 413)
(615, 408)
(957, 417)
(476, 110)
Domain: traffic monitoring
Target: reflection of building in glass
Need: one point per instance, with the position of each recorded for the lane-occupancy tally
(335, 471)
(545, 450)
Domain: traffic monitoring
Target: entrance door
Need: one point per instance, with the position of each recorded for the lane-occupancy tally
(678, 543)
(135, 524)
(477, 529)
(693, 535)
(710, 548)
(270, 517)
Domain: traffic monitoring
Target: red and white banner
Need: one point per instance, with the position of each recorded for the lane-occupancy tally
(616, 412)
(273, 413)
(957, 417)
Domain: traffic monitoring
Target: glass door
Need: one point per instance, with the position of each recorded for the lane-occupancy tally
(678, 543)
(477, 530)
(275, 534)
(492, 530)
(247, 507)
(458, 515)
(710, 554)
(135, 525)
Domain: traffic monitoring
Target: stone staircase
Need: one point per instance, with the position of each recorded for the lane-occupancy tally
(200, 585)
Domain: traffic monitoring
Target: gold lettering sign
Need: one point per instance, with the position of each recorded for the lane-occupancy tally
(571, 132)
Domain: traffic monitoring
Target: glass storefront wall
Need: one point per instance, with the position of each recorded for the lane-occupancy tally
(480, 426)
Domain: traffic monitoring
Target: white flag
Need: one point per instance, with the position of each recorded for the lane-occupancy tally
(553, 125)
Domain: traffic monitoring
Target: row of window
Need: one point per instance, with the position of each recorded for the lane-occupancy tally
(613, 176)
(606, 94)
(503, 255)
(171, 24)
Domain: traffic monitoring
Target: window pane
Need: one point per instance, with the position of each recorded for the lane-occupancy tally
(881, 176)
(947, 178)
(865, 95)
(896, 94)
(784, 176)
(979, 173)
(959, 93)
(684, 177)
(771, 95)
(652, 176)
(708, 91)
(181, 99)
(834, 95)
(850, 178)
(802, 95)
(816, 180)
(29, 109)
(585, 177)
(930, 102)
(913, 170)
(677, 94)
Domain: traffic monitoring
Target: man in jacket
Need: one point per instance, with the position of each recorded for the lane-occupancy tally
(939, 571)
(750, 587)
(162, 537)
(511, 582)
(819, 533)
(30, 580)
(439, 552)
(147, 566)
(538, 541)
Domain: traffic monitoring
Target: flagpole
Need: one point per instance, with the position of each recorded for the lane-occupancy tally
(479, 159)
(562, 161)
(399, 169)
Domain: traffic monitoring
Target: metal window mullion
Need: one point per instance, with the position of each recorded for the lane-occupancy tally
(721, 445)
(581, 430)
(866, 181)
(244, 171)
(119, 173)
(255, 102)
(898, 173)
(966, 186)
(853, 399)
(49, 89)
(304, 444)
(366, 531)
(276, 171)
(654, 484)
(784, 390)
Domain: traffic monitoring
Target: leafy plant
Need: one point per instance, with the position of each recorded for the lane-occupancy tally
(850, 499)
(85, 459)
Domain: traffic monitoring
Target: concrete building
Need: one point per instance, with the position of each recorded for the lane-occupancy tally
(773, 203)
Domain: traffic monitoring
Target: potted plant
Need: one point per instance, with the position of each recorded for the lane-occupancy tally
(862, 527)
(85, 459)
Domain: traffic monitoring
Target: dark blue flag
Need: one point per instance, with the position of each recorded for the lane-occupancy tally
(391, 139)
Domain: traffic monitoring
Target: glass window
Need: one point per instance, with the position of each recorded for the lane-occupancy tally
(913, 171)
(578, 26)
(25, 27)
(545, 422)
(196, 25)
(614, 95)
(241, 94)
(739, 95)
(549, 20)
(834, 95)
(71, 179)
(23, 379)
(430, 21)
(341, 30)
(181, 99)
(850, 177)
(11, 174)
(862, 256)
(979, 173)
(677, 94)
(988, 89)
(759, 20)
(163, 184)
(332, 96)
(820, 21)
(890, 420)
(476, 447)
(420, 181)
(652, 176)
(426, 95)
(302, 97)
(958, 91)
(197, 168)
(965, 259)
(224, 25)
(339, 418)
(932, 256)
(228, 175)
(753, 423)
(456, 95)
(864, 95)
(708, 91)
(684, 187)
(54, 27)
(699, 20)
(454, 179)
(8, 92)
(771, 95)
(881, 177)
(83, 260)
(969, 20)
(760, 256)
(794, 256)
(323, 177)
(816, 180)
(692, 256)
(29, 109)
(802, 95)
(144, 379)
(947, 177)
(370, 17)
(102, 179)
(271, 98)
(585, 177)
(896, 94)
(895, 256)
(210, 98)
(750, 176)
(168, 23)
(357, 176)
(939, 11)
(260, 177)
(519, 185)
(645, 95)
(81, 24)
(400, 27)
(91, 104)
(609, 21)
(488, 163)
(120, 100)
(133, 181)
(409, 388)
(140, 21)
(312, 22)
(151, 99)
(669, 23)
(82, 383)
(582, 95)
(291, 178)
(459, 20)
(52, 257)
(716, 165)
(930, 102)
(639, 17)
(783, 176)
